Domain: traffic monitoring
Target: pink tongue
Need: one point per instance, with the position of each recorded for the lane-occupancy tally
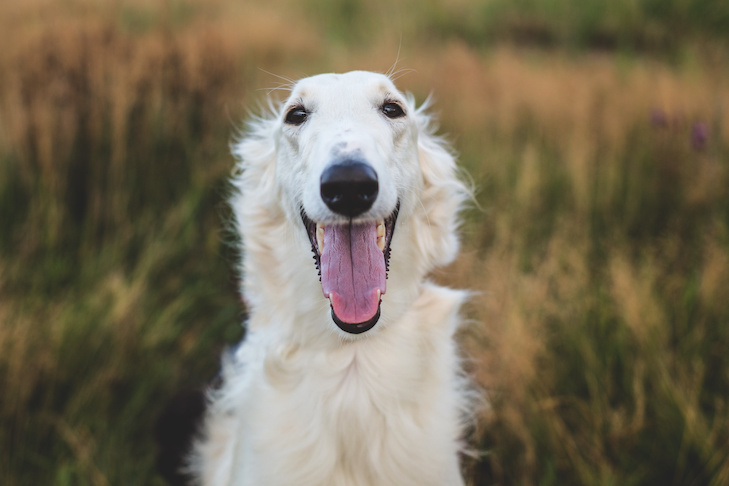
(352, 270)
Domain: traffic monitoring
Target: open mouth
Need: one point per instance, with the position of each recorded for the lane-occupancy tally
(353, 261)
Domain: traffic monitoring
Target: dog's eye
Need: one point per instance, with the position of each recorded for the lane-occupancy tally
(392, 110)
(296, 116)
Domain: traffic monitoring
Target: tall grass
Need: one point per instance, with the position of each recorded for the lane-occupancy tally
(599, 253)
(599, 247)
(112, 258)
(657, 26)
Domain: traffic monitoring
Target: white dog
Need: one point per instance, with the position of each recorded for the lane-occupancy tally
(348, 375)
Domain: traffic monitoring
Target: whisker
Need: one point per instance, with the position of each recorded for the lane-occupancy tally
(288, 81)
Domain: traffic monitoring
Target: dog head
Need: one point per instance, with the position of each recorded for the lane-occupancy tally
(347, 169)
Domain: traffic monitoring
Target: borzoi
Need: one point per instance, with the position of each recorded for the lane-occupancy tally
(348, 374)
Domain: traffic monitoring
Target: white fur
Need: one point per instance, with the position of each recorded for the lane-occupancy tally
(302, 402)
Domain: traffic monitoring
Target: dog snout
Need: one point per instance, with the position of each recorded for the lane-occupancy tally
(349, 188)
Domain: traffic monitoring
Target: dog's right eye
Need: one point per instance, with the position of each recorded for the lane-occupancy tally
(296, 115)
(392, 110)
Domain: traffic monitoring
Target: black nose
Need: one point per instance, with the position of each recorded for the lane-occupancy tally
(349, 188)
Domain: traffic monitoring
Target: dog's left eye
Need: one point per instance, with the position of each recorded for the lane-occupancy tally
(392, 110)
(296, 116)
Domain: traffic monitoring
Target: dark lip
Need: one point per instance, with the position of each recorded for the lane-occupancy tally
(390, 222)
(359, 327)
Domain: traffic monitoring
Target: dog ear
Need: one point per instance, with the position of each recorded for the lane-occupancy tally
(254, 178)
(255, 203)
(255, 151)
(444, 193)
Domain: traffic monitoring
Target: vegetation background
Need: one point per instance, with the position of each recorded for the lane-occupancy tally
(596, 133)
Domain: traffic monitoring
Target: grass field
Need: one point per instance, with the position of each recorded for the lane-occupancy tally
(597, 138)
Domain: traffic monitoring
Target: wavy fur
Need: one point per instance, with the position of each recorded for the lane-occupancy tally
(302, 402)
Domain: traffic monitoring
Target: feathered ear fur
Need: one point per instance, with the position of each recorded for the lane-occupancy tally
(257, 216)
(443, 194)
(255, 152)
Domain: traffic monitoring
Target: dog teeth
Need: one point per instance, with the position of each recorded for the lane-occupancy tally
(381, 236)
(320, 237)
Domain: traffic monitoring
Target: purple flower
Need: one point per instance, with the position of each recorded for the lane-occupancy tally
(699, 135)
(659, 118)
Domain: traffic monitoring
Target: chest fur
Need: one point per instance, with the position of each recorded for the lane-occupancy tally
(362, 416)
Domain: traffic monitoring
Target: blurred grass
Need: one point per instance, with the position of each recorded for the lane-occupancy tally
(597, 138)
(658, 26)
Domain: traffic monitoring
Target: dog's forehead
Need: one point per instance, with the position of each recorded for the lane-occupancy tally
(351, 86)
